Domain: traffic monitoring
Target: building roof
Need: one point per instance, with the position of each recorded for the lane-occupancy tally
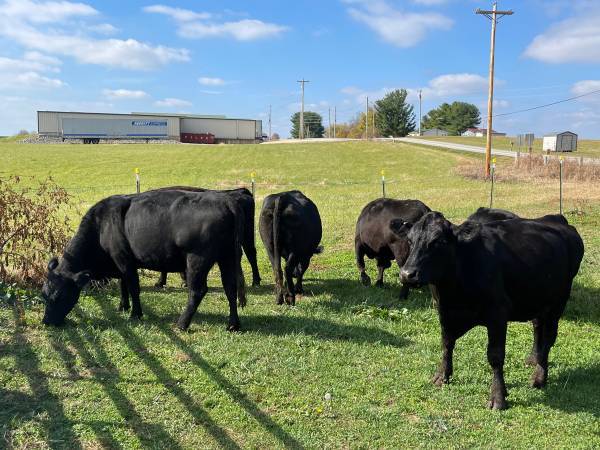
(150, 114)
(559, 133)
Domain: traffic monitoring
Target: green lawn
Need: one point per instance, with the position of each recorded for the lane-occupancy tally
(584, 147)
(103, 381)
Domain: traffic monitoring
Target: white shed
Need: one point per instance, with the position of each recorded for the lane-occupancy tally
(560, 142)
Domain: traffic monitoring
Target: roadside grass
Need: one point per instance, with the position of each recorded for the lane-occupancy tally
(104, 381)
(585, 147)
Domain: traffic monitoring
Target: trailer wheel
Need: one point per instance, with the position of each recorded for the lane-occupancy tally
(96, 141)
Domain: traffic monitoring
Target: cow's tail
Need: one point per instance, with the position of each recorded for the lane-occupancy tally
(276, 243)
(238, 218)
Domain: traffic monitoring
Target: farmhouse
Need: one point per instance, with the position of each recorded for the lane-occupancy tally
(560, 142)
(480, 132)
(93, 127)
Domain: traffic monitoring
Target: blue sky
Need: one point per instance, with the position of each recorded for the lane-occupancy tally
(237, 57)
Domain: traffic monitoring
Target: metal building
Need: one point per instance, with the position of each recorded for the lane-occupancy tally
(93, 127)
(435, 132)
(560, 142)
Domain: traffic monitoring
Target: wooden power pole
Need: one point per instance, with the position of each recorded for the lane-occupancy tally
(302, 82)
(494, 16)
(367, 119)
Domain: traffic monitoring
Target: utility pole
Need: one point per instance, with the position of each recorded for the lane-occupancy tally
(302, 82)
(373, 128)
(329, 123)
(367, 119)
(420, 110)
(334, 121)
(270, 123)
(493, 15)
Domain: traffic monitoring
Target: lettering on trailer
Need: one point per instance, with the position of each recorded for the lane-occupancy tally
(148, 123)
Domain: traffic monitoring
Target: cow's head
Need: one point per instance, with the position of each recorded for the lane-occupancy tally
(433, 242)
(61, 292)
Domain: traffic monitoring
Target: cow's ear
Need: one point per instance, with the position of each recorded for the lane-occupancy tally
(52, 264)
(468, 231)
(82, 278)
(400, 227)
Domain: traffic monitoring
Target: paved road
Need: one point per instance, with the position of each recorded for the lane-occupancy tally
(474, 149)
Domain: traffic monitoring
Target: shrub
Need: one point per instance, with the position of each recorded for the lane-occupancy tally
(34, 224)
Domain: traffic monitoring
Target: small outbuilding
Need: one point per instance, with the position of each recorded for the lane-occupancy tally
(560, 142)
(435, 132)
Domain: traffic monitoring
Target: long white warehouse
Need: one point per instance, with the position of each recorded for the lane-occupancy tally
(93, 127)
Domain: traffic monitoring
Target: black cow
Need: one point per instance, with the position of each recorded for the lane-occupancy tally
(484, 215)
(245, 199)
(169, 231)
(493, 273)
(375, 239)
(290, 228)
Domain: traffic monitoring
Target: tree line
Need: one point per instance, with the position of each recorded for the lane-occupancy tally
(392, 116)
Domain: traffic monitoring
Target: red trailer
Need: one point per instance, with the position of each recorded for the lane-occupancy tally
(198, 138)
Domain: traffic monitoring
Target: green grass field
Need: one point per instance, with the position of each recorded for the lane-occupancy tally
(584, 147)
(103, 381)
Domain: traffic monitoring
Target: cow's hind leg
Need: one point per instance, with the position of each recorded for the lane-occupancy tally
(548, 338)
(230, 279)
(162, 280)
(360, 263)
(250, 252)
(133, 286)
(536, 349)
(124, 304)
(290, 291)
(197, 273)
(495, 353)
(301, 270)
(382, 264)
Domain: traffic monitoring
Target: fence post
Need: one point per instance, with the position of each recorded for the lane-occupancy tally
(137, 180)
(383, 182)
(560, 177)
(492, 187)
(252, 176)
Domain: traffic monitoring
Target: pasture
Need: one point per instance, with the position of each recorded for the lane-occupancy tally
(585, 147)
(103, 381)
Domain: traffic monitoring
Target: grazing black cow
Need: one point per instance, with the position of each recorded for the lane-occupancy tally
(290, 228)
(375, 239)
(493, 273)
(169, 231)
(245, 199)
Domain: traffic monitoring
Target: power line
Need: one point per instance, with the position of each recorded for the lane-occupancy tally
(548, 104)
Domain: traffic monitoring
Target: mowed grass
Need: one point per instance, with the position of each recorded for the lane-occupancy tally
(585, 147)
(104, 381)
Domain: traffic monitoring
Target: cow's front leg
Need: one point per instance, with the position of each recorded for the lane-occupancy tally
(360, 263)
(124, 304)
(162, 280)
(495, 354)
(133, 286)
(445, 368)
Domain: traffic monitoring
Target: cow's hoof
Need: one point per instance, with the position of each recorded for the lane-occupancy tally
(233, 327)
(497, 404)
(439, 379)
(531, 360)
(159, 286)
(136, 316)
(290, 300)
(538, 382)
(182, 326)
(365, 279)
(379, 283)
(256, 283)
(124, 308)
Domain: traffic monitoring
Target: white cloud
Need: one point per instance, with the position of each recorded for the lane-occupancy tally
(573, 40)
(457, 84)
(124, 94)
(430, 2)
(585, 87)
(103, 28)
(211, 92)
(24, 21)
(400, 28)
(173, 103)
(179, 14)
(27, 73)
(208, 81)
(194, 25)
(45, 11)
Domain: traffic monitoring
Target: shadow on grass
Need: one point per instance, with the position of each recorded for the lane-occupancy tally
(584, 304)
(350, 293)
(106, 375)
(574, 390)
(58, 428)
